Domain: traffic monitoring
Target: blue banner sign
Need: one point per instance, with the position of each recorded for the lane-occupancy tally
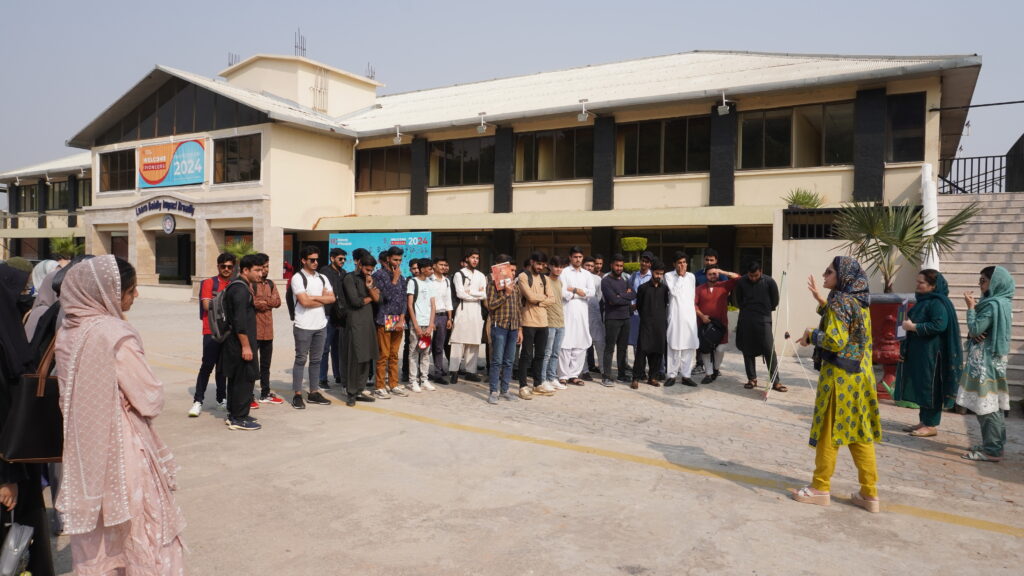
(415, 245)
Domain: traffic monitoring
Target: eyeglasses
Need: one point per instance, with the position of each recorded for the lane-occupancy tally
(312, 259)
(226, 266)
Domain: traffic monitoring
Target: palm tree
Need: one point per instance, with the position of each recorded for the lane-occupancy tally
(238, 248)
(879, 235)
(67, 246)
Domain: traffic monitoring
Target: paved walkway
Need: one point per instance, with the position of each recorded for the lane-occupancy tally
(589, 481)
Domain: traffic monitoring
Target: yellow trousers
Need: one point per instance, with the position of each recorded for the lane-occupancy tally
(825, 458)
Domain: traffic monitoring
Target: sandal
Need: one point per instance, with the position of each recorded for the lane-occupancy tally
(576, 382)
(873, 506)
(654, 383)
(778, 387)
(634, 385)
(979, 456)
(922, 433)
(750, 384)
(914, 427)
(809, 496)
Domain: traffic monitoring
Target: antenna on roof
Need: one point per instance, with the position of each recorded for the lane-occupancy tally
(300, 43)
(233, 59)
(371, 72)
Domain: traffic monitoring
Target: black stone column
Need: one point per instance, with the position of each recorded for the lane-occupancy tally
(73, 206)
(723, 240)
(42, 202)
(869, 145)
(602, 241)
(722, 179)
(418, 178)
(504, 169)
(13, 205)
(604, 163)
(502, 241)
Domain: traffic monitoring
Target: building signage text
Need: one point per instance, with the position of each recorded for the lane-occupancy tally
(165, 206)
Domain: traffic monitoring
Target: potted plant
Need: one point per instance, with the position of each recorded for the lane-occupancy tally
(803, 198)
(633, 245)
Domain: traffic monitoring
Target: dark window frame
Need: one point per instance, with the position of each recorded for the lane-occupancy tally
(741, 159)
(28, 198)
(54, 195)
(117, 171)
(230, 156)
(83, 195)
(369, 160)
(443, 149)
(688, 153)
(907, 133)
(529, 170)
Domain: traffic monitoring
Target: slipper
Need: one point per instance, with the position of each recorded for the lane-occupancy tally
(750, 384)
(912, 428)
(873, 506)
(778, 387)
(576, 382)
(928, 434)
(654, 383)
(634, 385)
(979, 456)
(807, 496)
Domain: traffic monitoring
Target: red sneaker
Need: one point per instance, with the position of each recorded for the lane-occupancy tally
(271, 399)
(254, 405)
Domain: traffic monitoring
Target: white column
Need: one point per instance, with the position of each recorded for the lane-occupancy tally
(929, 213)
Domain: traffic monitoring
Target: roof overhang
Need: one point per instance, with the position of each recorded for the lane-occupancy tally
(957, 90)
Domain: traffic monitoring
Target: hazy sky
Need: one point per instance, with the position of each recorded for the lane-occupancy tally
(63, 63)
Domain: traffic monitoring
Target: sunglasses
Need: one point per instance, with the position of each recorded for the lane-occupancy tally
(312, 259)
(226, 266)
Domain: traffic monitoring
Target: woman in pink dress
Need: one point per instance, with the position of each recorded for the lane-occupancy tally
(116, 494)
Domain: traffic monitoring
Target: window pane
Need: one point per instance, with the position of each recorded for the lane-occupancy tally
(807, 132)
(130, 126)
(564, 148)
(391, 169)
(452, 164)
(247, 116)
(487, 160)
(778, 138)
(544, 160)
(649, 161)
(525, 152)
(147, 118)
(436, 163)
(751, 140)
(378, 160)
(225, 112)
(85, 192)
(219, 162)
(698, 144)
(675, 145)
(204, 110)
(626, 147)
(165, 110)
(184, 110)
(405, 167)
(839, 133)
(470, 161)
(584, 153)
(906, 127)
(362, 170)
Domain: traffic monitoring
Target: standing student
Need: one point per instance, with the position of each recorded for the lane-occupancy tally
(312, 292)
(758, 296)
(211, 348)
(682, 323)
(265, 299)
(421, 308)
(504, 306)
(238, 354)
(595, 307)
(390, 321)
(334, 272)
(710, 261)
(442, 286)
(577, 289)
(470, 290)
(712, 303)
(556, 324)
(652, 301)
(636, 280)
(537, 298)
(618, 297)
(360, 329)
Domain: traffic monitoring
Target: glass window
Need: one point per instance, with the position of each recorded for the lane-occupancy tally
(462, 162)
(626, 144)
(117, 171)
(671, 146)
(555, 154)
(384, 168)
(204, 110)
(28, 198)
(129, 127)
(675, 146)
(237, 159)
(84, 193)
(905, 127)
(698, 144)
(778, 138)
(752, 140)
(147, 118)
(165, 108)
(224, 115)
(184, 110)
(839, 130)
(59, 197)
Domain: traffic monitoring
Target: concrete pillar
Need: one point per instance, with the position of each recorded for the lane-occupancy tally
(208, 242)
(142, 253)
(270, 241)
(96, 242)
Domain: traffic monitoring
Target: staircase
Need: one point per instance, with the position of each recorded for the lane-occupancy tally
(994, 237)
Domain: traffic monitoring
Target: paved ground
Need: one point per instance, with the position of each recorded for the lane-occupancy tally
(590, 481)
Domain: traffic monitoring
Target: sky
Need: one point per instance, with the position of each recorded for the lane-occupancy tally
(63, 62)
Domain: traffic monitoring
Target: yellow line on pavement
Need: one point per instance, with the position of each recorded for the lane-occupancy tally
(906, 510)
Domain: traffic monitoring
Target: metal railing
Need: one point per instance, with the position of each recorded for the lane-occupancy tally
(976, 175)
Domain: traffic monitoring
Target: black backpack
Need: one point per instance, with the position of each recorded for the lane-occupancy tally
(290, 295)
(465, 280)
(220, 320)
(710, 335)
(339, 310)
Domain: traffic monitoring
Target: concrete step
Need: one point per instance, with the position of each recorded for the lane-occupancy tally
(974, 266)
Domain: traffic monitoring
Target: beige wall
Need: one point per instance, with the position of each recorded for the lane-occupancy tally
(768, 187)
(294, 79)
(310, 176)
(270, 75)
(390, 203)
(903, 182)
(459, 200)
(661, 192)
(552, 196)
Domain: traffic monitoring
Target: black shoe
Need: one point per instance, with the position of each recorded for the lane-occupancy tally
(297, 402)
(325, 385)
(625, 378)
(708, 379)
(670, 382)
(350, 401)
(687, 382)
(594, 369)
(454, 379)
(660, 376)
(473, 378)
(586, 376)
(715, 375)
(365, 398)
(337, 380)
(317, 398)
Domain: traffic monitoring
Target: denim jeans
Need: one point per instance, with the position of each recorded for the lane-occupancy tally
(503, 353)
(333, 347)
(308, 343)
(549, 368)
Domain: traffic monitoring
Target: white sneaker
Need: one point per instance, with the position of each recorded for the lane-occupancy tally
(428, 386)
(195, 410)
(399, 391)
(546, 387)
(382, 393)
(223, 404)
(414, 386)
(556, 384)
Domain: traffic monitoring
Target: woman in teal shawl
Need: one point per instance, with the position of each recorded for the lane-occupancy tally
(931, 354)
(983, 388)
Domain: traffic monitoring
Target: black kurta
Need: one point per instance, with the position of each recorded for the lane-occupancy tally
(360, 329)
(242, 315)
(756, 300)
(652, 305)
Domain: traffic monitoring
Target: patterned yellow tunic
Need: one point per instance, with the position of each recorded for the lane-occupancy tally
(853, 395)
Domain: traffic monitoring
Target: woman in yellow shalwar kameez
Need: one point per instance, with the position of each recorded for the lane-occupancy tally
(846, 405)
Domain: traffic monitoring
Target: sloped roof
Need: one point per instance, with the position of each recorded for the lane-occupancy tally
(677, 77)
(72, 163)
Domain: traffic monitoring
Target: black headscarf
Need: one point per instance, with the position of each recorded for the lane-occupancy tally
(14, 351)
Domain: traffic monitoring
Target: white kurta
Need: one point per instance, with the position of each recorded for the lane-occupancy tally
(682, 316)
(471, 289)
(576, 310)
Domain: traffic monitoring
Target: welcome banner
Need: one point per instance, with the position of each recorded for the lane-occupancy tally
(175, 164)
(415, 245)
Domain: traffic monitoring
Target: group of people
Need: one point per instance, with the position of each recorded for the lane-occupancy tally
(934, 372)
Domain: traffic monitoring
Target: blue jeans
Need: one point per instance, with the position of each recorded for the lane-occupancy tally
(334, 347)
(549, 369)
(503, 353)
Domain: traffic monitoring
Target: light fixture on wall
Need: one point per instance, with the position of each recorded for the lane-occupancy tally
(81, 172)
(482, 128)
(583, 116)
(723, 108)
(17, 181)
(47, 178)
(398, 135)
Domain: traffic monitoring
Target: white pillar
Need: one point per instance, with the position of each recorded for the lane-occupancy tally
(929, 213)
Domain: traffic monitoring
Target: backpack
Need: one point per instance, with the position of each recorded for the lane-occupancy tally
(338, 312)
(465, 280)
(290, 295)
(216, 288)
(710, 335)
(220, 322)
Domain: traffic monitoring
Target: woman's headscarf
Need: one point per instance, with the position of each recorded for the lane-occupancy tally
(14, 352)
(998, 305)
(950, 344)
(97, 417)
(40, 272)
(846, 300)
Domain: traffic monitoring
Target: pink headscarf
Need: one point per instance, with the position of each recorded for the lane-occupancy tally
(99, 356)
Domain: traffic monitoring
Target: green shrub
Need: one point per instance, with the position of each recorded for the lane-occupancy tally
(634, 244)
(238, 248)
(67, 246)
(803, 198)
(631, 267)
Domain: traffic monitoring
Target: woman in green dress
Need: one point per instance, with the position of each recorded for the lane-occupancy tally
(931, 354)
(846, 405)
(983, 388)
